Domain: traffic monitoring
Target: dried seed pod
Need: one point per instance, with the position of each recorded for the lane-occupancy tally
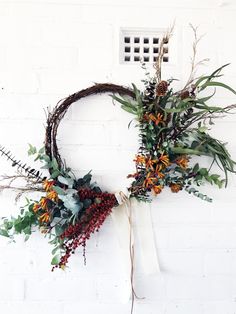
(184, 94)
(161, 88)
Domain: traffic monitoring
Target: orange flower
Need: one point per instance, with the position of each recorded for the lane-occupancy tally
(164, 159)
(182, 162)
(159, 173)
(44, 217)
(43, 203)
(157, 120)
(53, 196)
(149, 181)
(47, 185)
(36, 207)
(140, 159)
(175, 187)
(150, 163)
(157, 189)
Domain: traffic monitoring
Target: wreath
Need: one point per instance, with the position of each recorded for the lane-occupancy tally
(173, 127)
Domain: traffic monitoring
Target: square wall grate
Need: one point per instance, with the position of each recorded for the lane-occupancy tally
(141, 45)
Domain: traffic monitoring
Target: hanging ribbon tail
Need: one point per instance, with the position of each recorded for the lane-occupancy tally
(142, 216)
(122, 226)
(146, 238)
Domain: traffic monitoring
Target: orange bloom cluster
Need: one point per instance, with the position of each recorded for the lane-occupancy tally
(140, 159)
(157, 189)
(158, 172)
(43, 203)
(182, 162)
(149, 163)
(164, 159)
(152, 182)
(155, 171)
(47, 185)
(158, 119)
(149, 181)
(45, 217)
(52, 195)
(175, 187)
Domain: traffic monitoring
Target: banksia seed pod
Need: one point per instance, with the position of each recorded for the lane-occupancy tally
(161, 88)
(185, 94)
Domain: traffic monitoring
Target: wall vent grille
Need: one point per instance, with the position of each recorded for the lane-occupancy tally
(141, 45)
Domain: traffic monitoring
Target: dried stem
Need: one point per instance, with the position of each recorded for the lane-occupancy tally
(194, 63)
(24, 190)
(164, 41)
(32, 184)
(19, 175)
(55, 117)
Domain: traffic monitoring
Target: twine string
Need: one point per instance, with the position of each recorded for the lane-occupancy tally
(126, 201)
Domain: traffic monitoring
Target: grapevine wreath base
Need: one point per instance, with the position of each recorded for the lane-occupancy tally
(101, 202)
(173, 127)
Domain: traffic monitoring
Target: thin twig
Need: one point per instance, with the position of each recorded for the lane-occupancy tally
(164, 41)
(194, 63)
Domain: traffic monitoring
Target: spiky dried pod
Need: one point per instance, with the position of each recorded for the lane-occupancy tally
(161, 88)
(184, 94)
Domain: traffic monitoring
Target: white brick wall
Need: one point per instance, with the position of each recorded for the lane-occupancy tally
(49, 49)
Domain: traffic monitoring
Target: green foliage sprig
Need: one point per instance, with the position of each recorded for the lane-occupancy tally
(65, 211)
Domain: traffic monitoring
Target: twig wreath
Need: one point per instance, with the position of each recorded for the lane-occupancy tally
(173, 127)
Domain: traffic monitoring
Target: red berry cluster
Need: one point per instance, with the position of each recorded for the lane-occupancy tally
(89, 222)
(90, 194)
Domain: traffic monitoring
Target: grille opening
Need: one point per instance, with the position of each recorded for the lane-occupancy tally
(146, 50)
(127, 49)
(136, 40)
(127, 40)
(166, 49)
(136, 49)
(127, 58)
(155, 40)
(136, 58)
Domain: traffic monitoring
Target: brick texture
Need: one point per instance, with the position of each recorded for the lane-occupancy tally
(50, 49)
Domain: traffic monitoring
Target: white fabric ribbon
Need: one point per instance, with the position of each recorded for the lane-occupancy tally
(144, 230)
(120, 218)
(125, 231)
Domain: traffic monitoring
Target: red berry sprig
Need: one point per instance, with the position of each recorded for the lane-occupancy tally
(90, 221)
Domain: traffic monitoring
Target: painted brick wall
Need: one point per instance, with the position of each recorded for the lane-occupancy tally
(49, 49)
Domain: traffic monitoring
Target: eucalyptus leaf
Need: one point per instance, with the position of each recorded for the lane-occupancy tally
(218, 84)
(59, 190)
(67, 181)
(56, 259)
(187, 151)
(54, 164)
(4, 233)
(55, 174)
(71, 191)
(55, 249)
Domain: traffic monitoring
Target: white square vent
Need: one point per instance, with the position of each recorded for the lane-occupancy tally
(141, 45)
